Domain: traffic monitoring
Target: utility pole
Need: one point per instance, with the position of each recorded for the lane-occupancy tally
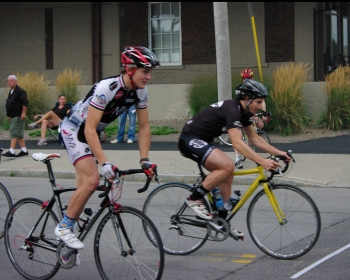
(223, 58)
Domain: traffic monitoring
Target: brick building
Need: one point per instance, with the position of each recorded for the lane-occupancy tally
(89, 36)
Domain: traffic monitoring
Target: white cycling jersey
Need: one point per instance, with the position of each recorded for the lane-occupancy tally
(109, 95)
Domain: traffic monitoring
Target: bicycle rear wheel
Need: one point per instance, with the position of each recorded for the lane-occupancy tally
(138, 258)
(5, 206)
(181, 233)
(300, 228)
(32, 250)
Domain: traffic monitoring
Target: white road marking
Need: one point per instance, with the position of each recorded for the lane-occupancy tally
(319, 262)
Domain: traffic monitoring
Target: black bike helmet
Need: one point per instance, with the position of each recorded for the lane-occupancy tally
(251, 88)
(140, 57)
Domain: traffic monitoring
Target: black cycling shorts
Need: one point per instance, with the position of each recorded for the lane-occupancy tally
(195, 148)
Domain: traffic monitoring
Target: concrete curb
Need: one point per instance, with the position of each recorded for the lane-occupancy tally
(163, 178)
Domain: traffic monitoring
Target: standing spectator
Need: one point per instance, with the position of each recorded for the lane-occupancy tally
(131, 112)
(16, 109)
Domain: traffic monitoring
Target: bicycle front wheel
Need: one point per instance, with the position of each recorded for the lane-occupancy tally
(122, 247)
(296, 234)
(32, 249)
(5, 206)
(181, 232)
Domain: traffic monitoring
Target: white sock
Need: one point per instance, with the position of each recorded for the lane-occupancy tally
(237, 159)
(24, 149)
(12, 151)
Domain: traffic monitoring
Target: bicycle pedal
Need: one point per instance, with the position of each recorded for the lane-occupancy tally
(236, 238)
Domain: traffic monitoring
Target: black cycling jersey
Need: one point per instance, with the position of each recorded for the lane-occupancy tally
(217, 119)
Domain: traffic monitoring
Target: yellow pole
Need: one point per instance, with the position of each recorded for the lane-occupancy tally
(255, 40)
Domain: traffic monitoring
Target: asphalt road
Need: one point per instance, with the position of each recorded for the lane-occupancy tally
(328, 145)
(226, 260)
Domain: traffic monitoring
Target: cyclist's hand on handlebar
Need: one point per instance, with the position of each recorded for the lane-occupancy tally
(108, 171)
(149, 168)
(285, 156)
(270, 164)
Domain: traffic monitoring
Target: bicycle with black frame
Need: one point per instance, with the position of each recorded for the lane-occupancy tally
(5, 203)
(126, 245)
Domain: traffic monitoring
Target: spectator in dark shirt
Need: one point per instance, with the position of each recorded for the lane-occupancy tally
(16, 109)
(51, 119)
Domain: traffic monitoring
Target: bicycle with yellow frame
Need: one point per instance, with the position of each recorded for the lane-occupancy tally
(283, 220)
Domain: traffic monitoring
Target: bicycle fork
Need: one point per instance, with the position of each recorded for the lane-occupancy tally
(119, 225)
(274, 203)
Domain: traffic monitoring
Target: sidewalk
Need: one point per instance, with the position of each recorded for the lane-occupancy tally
(319, 170)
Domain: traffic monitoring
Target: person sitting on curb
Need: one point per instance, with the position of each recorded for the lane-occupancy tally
(51, 119)
(131, 112)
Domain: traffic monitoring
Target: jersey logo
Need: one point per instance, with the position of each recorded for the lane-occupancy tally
(238, 124)
(196, 143)
(217, 104)
(113, 85)
(224, 130)
(101, 99)
(119, 94)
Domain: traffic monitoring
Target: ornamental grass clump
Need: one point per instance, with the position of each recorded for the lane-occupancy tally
(287, 99)
(67, 83)
(202, 92)
(337, 113)
(38, 93)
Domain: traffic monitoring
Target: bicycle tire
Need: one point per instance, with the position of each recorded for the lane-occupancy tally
(162, 205)
(5, 206)
(225, 139)
(145, 262)
(266, 137)
(301, 227)
(34, 256)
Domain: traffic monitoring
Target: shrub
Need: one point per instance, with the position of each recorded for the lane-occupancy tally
(287, 99)
(67, 83)
(38, 93)
(202, 92)
(337, 113)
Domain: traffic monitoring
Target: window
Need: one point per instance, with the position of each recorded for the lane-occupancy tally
(337, 31)
(165, 32)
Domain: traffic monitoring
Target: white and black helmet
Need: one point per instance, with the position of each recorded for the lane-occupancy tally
(251, 88)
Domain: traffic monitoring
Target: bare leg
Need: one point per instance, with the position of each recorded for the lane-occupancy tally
(13, 143)
(221, 168)
(49, 115)
(44, 125)
(88, 177)
(21, 142)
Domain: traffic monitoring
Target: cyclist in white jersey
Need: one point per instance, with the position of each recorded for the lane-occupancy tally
(106, 100)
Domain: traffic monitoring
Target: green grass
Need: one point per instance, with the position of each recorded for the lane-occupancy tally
(112, 130)
(163, 130)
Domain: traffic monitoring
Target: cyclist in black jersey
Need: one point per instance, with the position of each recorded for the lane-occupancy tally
(229, 116)
(248, 74)
(106, 100)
